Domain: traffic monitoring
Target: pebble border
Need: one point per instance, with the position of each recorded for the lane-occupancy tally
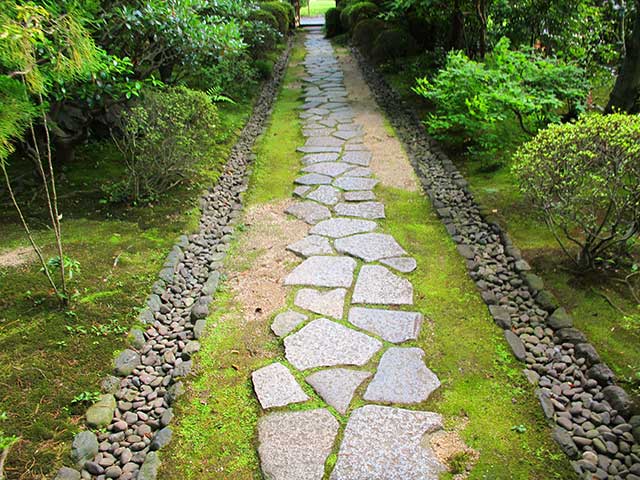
(133, 415)
(592, 417)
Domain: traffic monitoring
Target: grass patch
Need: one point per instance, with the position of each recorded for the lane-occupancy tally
(316, 8)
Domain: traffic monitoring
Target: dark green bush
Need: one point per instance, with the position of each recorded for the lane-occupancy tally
(332, 23)
(280, 12)
(264, 68)
(164, 137)
(365, 34)
(392, 44)
(291, 14)
(265, 17)
(361, 11)
(344, 18)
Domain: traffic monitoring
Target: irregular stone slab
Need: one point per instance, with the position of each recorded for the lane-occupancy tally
(324, 343)
(336, 386)
(276, 387)
(323, 271)
(386, 443)
(394, 326)
(377, 285)
(325, 194)
(332, 169)
(301, 191)
(329, 303)
(324, 142)
(371, 210)
(359, 172)
(313, 179)
(310, 212)
(359, 196)
(369, 246)
(285, 322)
(342, 227)
(311, 245)
(347, 134)
(402, 377)
(295, 445)
(362, 158)
(319, 149)
(355, 183)
(319, 158)
(402, 264)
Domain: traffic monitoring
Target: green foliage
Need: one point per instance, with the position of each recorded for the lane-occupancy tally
(281, 14)
(365, 33)
(477, 103)
(71, 266)
(392, 44)
(164, 136)
(86, 397)
(584, 178)
(332, 23)
(265, 38)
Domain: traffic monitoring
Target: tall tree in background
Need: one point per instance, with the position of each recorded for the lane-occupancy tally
(626, 92)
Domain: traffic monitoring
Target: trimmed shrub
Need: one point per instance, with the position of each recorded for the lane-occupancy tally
(344, 18)
(584, 178)
(280, 12)
(291, 14)
(361, 11)
(262, 33)
(392, 44)
(332, 23)
(365, 34)
(164, 136)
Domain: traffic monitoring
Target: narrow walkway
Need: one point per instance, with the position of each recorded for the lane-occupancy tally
(353, 309)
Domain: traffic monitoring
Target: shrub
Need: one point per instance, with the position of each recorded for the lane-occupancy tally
(280, 12)
(392, 44)
(490, 107)
(163, 137)
(291, 14)
(361, 11)
(344, 18)
(261, 33)
(332, 23)
(585, 180)
(264, 68)
(365, 34)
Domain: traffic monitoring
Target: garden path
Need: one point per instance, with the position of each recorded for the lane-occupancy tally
(350, 270)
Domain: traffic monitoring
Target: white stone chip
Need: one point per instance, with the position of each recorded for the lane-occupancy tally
(275, 386)
(377, 285)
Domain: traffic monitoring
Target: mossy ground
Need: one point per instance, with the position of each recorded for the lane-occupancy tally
(49, 356)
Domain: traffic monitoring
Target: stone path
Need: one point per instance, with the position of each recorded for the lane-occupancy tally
(352, 314)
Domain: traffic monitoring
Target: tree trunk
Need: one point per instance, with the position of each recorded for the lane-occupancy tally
(481, 9)
(456, 41)
(626, 92)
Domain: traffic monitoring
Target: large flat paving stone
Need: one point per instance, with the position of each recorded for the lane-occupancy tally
(336, 386)
(342, 227)
(295, 445)
(312, 158)
(402, 264)
(377, 285)
(354, 183)
(362, 158)
(311, 245)
(359, 196)
(324, 142)
(394, 326)
(369, 210)
(359, 172)
(332, 169)
(370, 247)
(402, 377)
(325, 194)
(319, 149)
(286, 322)
(310, 212)
(323, 271)
(324, 343)
(329, 303)
(275, 386)
(386, 443)
(313, 179)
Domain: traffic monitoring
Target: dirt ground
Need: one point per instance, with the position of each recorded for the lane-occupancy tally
(17, 257)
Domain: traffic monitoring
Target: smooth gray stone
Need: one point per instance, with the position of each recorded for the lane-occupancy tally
(323, 271)
(355, 183)
(347, 134)
(84, 447)
(370, 210)
(387, 443)
(126, 362)
(66, 473)
(311, 245)
(332, 169)
(359, 172)
(161, 439)
(402, 377)
(295, 445)
(401, 264)
(359, 196)
(275, 386)
(362, 158)
(301, 190)
(317, 132)
(325, 194)
(319, 149)
(377, 285)
(342, 227)
(324, 142)
(310, 212)
(336, 386)
(100, 414)
(286, 322)
(369, 246)
(319, 158)
(324, 343)
(394, 326)
(330, 303)
(313, 179)
(150, 467)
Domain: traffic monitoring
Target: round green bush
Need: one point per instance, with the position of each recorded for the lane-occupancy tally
(344, 18)
(361, 11)
(280, 11)
(265, 17)
(365, 33)
(392, 44)
(291, 14)
(332, 23)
